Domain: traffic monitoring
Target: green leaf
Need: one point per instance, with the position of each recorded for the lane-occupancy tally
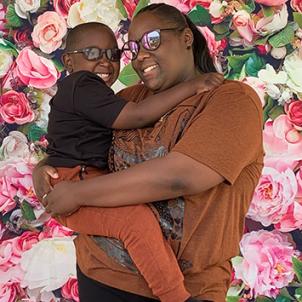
(13, 19)
(120, 6)
(298, 294)
(59, 66)
(128, 76)
(249, 6)
(284, 37)
(221, 28)
(237, 62)
(8, 46)
(27, 211)
(268, 11)
(200, 16)
(141, 4)
(32, 131)
(275, 112)
(283, 299)
(263, 299)
(297, 265)
(232, 299)
(268, 106)
(254, 64)
(298, 18)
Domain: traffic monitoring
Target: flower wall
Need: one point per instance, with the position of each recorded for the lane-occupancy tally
(258, 42)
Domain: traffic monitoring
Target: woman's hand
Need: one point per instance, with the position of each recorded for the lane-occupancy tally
(42, 175)
(208, 81)
(64, 199)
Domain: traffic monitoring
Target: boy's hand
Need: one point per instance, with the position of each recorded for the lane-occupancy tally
(208, 81)
(62, 200)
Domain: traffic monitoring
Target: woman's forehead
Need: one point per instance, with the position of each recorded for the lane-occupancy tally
(145, 22)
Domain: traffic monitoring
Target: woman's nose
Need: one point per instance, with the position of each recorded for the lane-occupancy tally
(142, 54)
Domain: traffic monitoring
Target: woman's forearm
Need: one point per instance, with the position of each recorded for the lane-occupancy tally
(164, 178)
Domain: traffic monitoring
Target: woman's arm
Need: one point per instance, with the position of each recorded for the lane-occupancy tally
(138, 115)
(159, 179)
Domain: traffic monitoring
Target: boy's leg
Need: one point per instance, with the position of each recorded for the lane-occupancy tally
(137, 227)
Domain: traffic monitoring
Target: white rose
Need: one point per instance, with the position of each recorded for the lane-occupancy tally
(49, 264)
(103, 11)
(293, 67)
(44, 109)
(22, 7)
(217, 8)
(269, 75)
(285, 97)
(278, 21)
(273, 91)
(6, 61)
(278, 53)
(15, 146)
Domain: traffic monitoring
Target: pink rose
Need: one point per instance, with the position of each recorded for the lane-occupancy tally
(266, 265)
(49, 31)
(214, 46)
(54, 229)
(70, 289)
(62, 6)
(299, 181)
(2, 19)
(14, 108)
(271, 2)
(296, 5)
(294, 113)
(179, 4)
(26, 241)
(22, 37)
(273, 195)
(292, 220)
(9, 254)
(244, 25)
(258, 86)
(36, 71)
(281, 139)
(15, 181)
(203, 3)
(11, 292)
(130, 6)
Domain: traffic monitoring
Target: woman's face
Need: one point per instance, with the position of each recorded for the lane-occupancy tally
(171, 63)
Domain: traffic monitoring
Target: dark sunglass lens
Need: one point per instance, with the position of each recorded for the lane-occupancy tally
(93, 53)
(114, 54)
(151, 40)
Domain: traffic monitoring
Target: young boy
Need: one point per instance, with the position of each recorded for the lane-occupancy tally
(83, 113)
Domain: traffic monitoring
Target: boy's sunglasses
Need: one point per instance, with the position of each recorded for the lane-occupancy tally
(95, 53)
(150, 41)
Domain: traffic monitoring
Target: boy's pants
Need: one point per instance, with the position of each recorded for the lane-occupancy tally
(143, 239)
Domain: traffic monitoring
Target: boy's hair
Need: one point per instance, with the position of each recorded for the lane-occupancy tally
(202, 58)
(75, 34)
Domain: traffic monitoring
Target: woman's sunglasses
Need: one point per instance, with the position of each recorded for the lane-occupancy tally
(95, 53)
(150, 41)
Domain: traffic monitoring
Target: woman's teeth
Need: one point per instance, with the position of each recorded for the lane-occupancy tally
(104, 76)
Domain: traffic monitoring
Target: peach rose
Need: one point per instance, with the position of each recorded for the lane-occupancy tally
(14, 108)
(244, 25)
(49, 31)
(296, 5)
(36, 71)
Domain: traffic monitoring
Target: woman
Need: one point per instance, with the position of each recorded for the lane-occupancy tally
(208, 150)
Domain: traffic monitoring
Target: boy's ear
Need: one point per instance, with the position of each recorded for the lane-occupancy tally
(67, 62)
(189, 38)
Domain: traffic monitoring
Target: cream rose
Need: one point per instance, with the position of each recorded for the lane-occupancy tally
(6, 61)
(103, 11)
(293, 68)
(23, 7)
(15, 145)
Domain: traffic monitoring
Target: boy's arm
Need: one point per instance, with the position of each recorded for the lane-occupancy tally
(154, 107)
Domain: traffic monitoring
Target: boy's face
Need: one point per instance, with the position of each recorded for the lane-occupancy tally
(106, 69)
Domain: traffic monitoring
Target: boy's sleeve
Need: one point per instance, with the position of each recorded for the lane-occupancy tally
(94, 100)
(227, 135)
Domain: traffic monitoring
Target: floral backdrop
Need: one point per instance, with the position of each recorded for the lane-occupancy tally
(255, 41)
